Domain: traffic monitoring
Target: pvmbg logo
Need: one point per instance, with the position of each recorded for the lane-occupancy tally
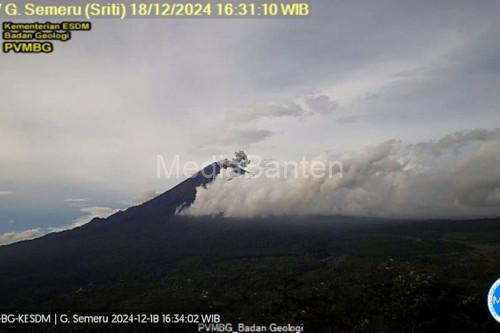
(494, 300)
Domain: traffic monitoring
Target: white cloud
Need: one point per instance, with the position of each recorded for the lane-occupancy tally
(6, 192)
(290, 109)
(307, 105)
(12, 237)
(321, 104)
(90, 213)
(76, 200)
(457, 176)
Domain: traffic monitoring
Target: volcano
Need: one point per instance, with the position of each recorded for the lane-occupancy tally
(148, 233)
(316, 271)
(173, 200)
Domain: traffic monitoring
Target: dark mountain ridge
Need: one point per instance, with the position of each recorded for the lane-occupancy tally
(180, 196)
(419, 276)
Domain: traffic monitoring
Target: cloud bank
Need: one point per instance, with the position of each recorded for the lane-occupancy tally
(457, 176)
(308, 105)
(90, 213)
(12, 237)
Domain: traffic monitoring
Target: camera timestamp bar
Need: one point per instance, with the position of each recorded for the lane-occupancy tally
(163, 9)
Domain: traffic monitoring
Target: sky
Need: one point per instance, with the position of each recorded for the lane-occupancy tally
(81, 128)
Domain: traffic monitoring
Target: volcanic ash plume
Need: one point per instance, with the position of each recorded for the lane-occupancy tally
(457, 176)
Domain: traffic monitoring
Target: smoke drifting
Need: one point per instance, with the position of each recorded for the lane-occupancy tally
(457, 176)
